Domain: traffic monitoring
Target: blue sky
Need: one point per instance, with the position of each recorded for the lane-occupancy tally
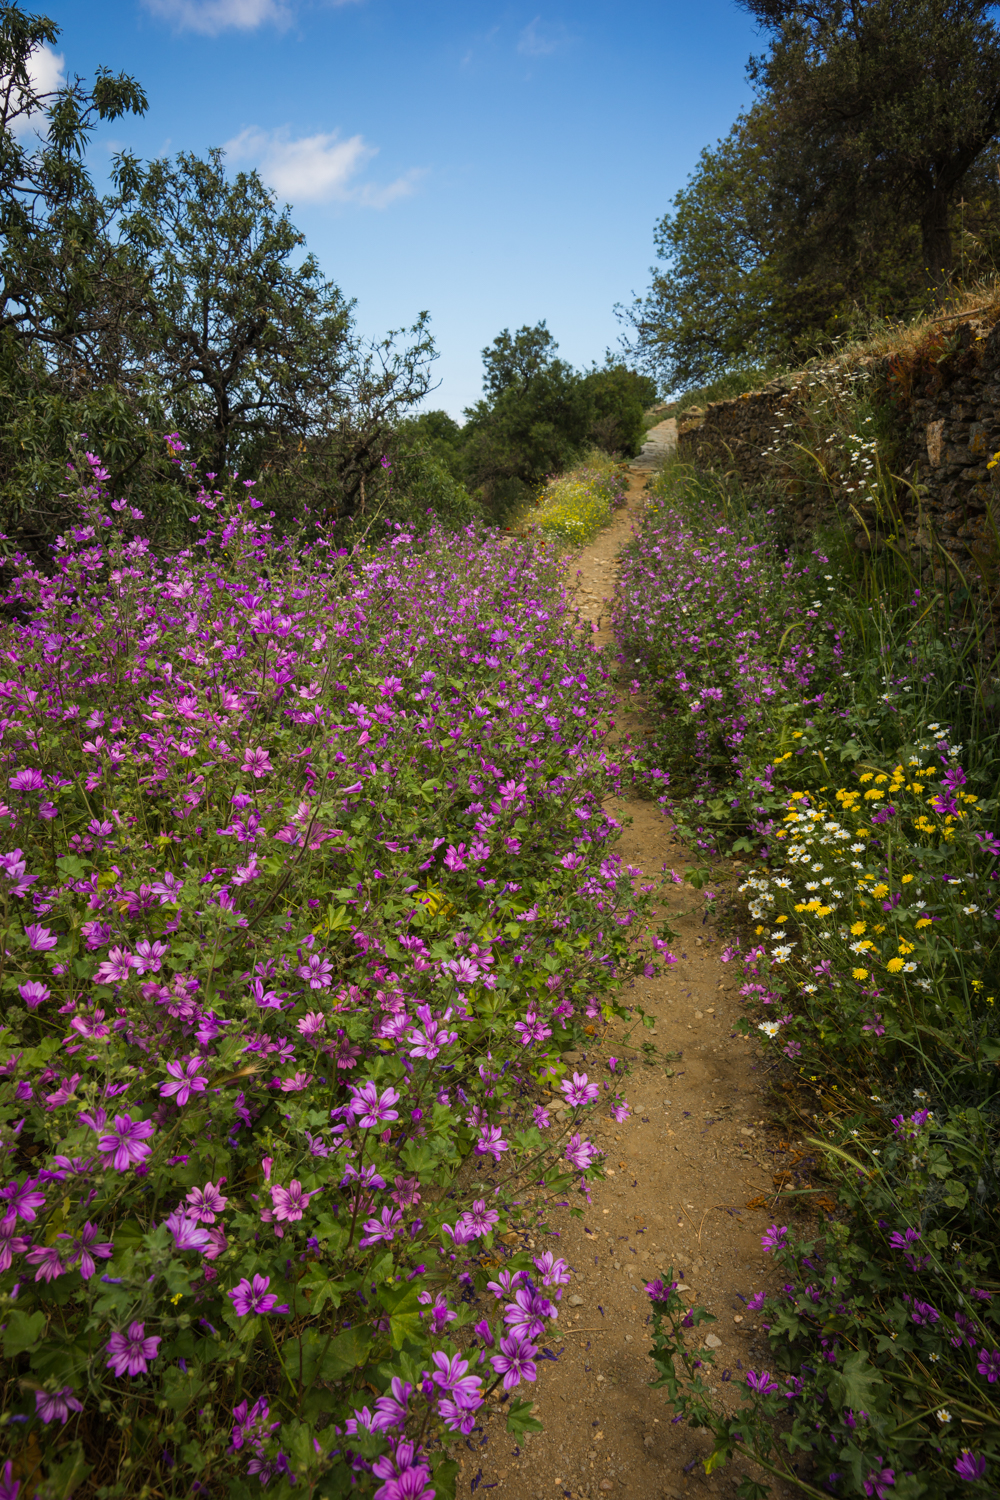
(492, 163)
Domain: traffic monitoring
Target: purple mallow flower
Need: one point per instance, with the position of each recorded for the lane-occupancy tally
(879, 1480)
(131, 1352)
(516, 1360)
(970, 1466)
(375, 1109)
(126, 1144)
(579, 1092)
(57, 1406)
(185, 1080)
(253, 1297)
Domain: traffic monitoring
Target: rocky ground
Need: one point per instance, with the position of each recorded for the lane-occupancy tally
(691, 1177)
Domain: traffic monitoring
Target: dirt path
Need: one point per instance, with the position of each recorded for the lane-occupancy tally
(681, 1172)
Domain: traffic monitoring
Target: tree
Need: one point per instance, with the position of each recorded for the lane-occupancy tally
(750, 271)
(248, 348)
(891, 102)
(69, 285)
(533, 419)
(66, 282)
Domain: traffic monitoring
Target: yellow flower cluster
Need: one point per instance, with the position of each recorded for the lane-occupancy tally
(575, 506)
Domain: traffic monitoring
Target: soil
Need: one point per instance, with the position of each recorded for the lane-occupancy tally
(690, 1179)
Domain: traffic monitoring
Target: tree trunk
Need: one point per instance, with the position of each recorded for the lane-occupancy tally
(936, 242)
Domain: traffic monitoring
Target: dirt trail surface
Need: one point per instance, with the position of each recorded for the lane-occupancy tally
(680, 1173)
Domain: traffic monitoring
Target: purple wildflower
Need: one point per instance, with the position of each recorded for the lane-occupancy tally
(252, 1297)
(57, 1407)
(127, 1141)
(970, 1466)
(130, 1352)
(879, 1480)
(516, 1360)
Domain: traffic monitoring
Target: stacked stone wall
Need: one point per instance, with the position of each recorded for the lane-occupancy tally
(945, 398)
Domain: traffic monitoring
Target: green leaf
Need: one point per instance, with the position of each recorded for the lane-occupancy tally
(317, 1357)
(404, 1312)
(520, 1420)
(72, 865)
(23, 1331)
(322, 1289)
(858, 1384)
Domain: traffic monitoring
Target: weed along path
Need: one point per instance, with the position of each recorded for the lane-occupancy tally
(681, 1172)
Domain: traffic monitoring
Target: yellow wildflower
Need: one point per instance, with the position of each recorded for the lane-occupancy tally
(858, 928)
(859, 973)
(894, 965)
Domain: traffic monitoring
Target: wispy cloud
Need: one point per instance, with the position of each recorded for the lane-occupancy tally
(47, 72)
(538, 39)
(209, 17)
(322, 168)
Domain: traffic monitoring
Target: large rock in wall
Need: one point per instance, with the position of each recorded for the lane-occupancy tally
(945, 394)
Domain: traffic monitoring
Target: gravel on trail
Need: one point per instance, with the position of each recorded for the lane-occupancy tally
(681, 1172)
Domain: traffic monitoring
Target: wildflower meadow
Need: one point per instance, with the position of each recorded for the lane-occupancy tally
(306, 886)
(573, 507)
(833, 723)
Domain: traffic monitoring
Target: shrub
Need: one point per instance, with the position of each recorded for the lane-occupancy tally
(298, 917)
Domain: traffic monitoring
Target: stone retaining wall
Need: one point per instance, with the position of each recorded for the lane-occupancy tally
(946, 397)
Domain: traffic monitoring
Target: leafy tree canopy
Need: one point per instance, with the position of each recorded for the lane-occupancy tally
(868, 156)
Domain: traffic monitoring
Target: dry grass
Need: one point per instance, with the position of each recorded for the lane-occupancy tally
(981, 299)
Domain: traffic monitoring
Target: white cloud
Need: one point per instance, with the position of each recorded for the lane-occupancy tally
(539, 40)
(320, 168)
(47, 71)
(209, 17)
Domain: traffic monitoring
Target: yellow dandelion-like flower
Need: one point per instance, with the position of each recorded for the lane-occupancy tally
(859, 973)
(894, 965)
(880, 890)
(924, 922)
(858, 928)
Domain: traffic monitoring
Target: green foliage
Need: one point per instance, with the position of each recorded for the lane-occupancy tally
(538, 416)
(837, 198)
(176, 303)
(846, 736)
(620, 397)
(247, 345)
(532, 420)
